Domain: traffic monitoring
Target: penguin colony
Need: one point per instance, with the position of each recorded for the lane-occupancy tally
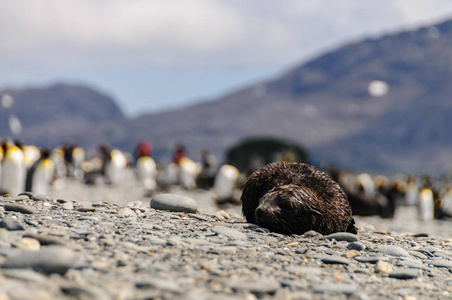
(28, 168)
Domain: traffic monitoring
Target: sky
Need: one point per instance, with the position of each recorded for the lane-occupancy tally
(154, 55)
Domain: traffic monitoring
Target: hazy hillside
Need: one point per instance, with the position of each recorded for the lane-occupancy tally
(51, 115)
(324, 104)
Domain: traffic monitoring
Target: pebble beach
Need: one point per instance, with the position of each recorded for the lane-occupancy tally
(106, 242)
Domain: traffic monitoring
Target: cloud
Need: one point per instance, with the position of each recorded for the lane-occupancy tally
(62, 34)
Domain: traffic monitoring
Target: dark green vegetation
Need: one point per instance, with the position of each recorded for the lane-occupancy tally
(254, 153)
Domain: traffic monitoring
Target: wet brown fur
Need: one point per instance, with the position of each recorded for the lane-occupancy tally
(292, 198)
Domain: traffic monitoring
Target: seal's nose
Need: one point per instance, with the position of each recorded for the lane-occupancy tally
(264, 210)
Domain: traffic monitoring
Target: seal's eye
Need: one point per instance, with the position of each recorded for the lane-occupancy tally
(284, 203)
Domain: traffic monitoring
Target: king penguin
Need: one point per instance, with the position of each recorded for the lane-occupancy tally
(426, 204)
(225, 183)
(12, 180)
(146, 171)
(114, 164)
(41, 174)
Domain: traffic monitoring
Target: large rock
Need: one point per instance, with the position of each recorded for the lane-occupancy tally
(174, 202)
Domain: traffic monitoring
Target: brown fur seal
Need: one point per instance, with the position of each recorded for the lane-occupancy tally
(292, 198)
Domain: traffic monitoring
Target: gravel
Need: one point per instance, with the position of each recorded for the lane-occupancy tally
(112, 245)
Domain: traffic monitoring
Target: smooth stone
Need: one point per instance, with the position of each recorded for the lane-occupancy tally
(28, 194)
(45, 239)
(79, 292)
(224, 250)
(41, 197)
(312, 234)
(416, 235)
(383, 267)
(4, 234)
(259, 287)
(25, 209)
(440, 263)
(393, 251)
(174, 202)
(329, 287)
(355, 246)
(352, 253)
(334, 259)
(228, 232)
(160, 284)
(68, 205)
(412, 264)
(11, 224)
(294, 283)
(135, 204)
(24, 275)
(17, 198)
(222, 215)
(126, 212)
(303, 270)
(342, 236)
(27, 243)
(86, 209)
(404, 273)
(51, 259)
(370, 259)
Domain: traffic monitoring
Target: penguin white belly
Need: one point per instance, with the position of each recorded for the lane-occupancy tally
(188, 172)
(42, 176)
(426, 205)
(146, 172)
(114, 170)
(13, 172)
(225, 181)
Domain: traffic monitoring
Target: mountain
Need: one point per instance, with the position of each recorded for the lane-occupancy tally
(379, 105)
(325, 105)
(53, 114)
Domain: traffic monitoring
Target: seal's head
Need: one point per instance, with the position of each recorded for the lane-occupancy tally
(285, 209)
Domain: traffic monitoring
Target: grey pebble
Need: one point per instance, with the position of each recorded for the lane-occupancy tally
(343, 288)
(342, 236)
(174, 202)
(393, 251)
(334, 259)
(312, 234)
(11, 224)
(41, 198)
(50, 259)
(412, 264)
(228, 232)
(45, 239)
(25, 209)
(126, 212)
(158, 283)
(371, 259)
(355, 246)
(303, 270)
(259, 287)
(24, 275)
(4, 234)
(228, 250)
(440, 263)
(68, 205)
(404, 273)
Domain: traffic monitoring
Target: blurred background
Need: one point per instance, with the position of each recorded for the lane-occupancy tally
(363, 86)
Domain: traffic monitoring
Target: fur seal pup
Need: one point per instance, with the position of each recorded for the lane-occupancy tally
(293, 198)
